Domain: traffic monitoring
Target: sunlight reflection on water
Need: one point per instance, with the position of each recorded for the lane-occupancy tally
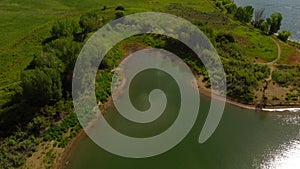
(287, 157)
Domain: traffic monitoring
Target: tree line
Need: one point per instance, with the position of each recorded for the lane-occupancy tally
(256, 17)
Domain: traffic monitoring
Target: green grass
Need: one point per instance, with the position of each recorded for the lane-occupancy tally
(289, 55)
(252, 42)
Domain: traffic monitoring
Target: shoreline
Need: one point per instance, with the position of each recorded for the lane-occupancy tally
(280, 108)
(63, 160)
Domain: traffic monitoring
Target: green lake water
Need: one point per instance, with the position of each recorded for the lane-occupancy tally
(244, 139)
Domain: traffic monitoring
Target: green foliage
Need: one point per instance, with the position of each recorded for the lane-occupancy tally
(64, 49)
(287, 76)
(154, 41)
(38, 124)
(67, 51)
(231, 8)
(119, 14)
(284, 35)
(226, 46)
(111, 60)
(292, 97)
(265, 26)
(41, 86)
(56, 132)
(243, 78)
(244, 14)
(208, 31)
(46, 60)
(225, 38)
(90, 22)
(15, 148)
(103, 85)
(272, 24)
(120, 7)
(64, 28)
(275, 22)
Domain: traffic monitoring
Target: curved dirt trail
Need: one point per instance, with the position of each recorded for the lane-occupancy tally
(271, 64)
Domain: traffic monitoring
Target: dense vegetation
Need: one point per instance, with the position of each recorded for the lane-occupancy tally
(45, 93)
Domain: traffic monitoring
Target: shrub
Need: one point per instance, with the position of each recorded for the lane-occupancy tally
(41, 87)
(225, 37)
(64, 28)
(90, 22)
(120, 7)
(284, 35)
(119, 14)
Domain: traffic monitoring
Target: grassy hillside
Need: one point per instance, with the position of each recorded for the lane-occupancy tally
(25, 24)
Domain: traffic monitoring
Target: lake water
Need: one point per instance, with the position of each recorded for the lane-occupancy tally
(290, 9)
(245, 139)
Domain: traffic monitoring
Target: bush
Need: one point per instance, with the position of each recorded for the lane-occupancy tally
(90, 22)
(244, 14)
(38, 124)
(281, 77)
(231, 8)
(225, 38)
(64, 28)
(41, 87)
(119, 14)
(284, 35)
(120, 7)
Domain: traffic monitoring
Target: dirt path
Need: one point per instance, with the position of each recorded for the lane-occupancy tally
(272, 64)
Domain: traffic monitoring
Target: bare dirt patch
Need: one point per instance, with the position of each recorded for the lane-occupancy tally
(131, 48)
(242, 41)
(294, 58)
(44, 157)
(275, 94)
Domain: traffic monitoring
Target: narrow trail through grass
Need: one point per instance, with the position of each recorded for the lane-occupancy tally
(272, 63)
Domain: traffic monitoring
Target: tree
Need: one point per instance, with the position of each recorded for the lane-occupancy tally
(66, 50)
(64, 28)
(231, 8)
(266, 25)
(239, 14)
(41, 86)
(248, 13)
(90, 22)
(46, 60)
(284, 35)
(258, 18)
(275, 22)
(244, 14)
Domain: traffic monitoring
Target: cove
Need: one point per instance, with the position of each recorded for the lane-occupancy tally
(244, 138)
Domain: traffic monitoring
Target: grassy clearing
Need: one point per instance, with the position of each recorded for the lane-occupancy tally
(289, 55)
(252, 42)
